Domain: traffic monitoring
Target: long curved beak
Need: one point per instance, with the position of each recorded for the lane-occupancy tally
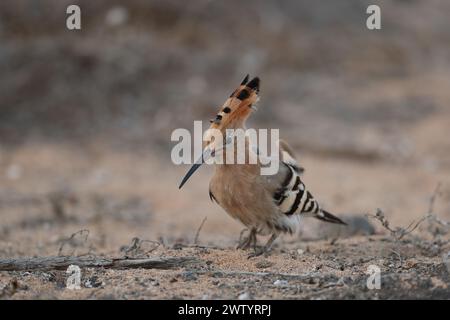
(204, 157)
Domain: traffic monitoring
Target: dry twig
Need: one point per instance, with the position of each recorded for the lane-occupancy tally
(399, 232)
(135, 249)
(58, 262)
(73, 241)
(198, 230)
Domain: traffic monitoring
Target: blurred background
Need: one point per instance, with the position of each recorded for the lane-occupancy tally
(86, 115)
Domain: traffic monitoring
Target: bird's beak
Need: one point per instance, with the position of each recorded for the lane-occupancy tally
(203, 158)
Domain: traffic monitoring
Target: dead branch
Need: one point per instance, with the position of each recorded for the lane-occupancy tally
(404, 231)
(398, 233)
(63, 262)
(136, 249)
(441, 222)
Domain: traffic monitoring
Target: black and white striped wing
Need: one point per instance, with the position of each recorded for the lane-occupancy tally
(292, 197)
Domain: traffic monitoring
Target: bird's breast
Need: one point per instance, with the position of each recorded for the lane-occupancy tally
(243, 194)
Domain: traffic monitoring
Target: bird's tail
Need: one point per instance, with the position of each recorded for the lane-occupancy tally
(328, 217)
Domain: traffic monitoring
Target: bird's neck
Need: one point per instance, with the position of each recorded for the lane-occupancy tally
(249, 156)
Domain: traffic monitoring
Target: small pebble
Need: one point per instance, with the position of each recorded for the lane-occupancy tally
(280, 283)
(189, 276)
(244, 296)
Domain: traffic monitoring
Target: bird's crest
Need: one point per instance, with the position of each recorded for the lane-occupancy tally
(238, 106)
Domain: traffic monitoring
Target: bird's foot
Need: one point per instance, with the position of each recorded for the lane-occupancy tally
(242, 241)
(263, 250)
(259, 251)
(248, 241)
(244, 244)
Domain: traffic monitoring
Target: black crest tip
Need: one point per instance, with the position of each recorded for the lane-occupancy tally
(254, 84)
(245, 80)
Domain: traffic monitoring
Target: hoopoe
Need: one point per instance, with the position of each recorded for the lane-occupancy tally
(265, 204)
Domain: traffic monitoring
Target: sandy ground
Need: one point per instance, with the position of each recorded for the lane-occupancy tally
(50, 192)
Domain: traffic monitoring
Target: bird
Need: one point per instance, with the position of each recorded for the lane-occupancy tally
(264, 204)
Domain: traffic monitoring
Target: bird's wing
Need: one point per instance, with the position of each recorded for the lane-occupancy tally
(291, 195)
(288, 157)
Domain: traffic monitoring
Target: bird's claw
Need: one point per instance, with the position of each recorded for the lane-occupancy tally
(248, 241)
(245, 244)
(259, 252)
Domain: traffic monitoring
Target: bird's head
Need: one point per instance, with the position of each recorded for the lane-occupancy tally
(232, 115)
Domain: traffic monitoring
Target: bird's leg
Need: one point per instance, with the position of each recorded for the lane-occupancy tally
(264, 249)
(248, 241)
(240, 236)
